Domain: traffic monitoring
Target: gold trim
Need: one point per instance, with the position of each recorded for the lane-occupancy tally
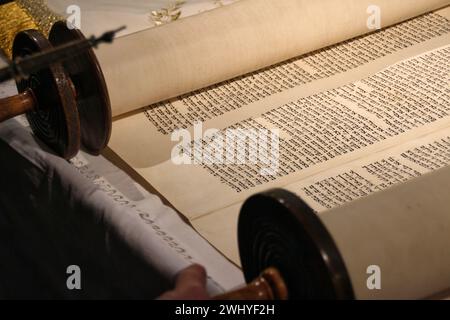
(14, 19)
(22, 15)
(43, 16)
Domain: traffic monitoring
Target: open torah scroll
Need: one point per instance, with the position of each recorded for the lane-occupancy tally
(359, 112)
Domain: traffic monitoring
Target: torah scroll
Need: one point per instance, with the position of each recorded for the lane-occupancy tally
(164, 62)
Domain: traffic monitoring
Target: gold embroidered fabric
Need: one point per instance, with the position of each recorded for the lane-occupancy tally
(23, 15)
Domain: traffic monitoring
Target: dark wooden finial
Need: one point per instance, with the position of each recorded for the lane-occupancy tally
(269, 286)
(66, 103)
(277, 229)
(16, 105)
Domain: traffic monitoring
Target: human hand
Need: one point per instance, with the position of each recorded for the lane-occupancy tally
(190, 284)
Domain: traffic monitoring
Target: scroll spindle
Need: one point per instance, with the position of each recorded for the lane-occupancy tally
(277, 230)
(62, 89)
(269, 286)
(16, 105)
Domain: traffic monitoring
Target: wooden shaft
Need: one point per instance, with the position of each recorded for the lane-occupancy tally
(269, 286)
(17, 105)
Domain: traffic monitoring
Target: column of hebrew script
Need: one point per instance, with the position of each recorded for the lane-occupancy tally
(248, 35)
(342, 185)
(203, 105)
(144, 139)
(400, 103)
(375, 173)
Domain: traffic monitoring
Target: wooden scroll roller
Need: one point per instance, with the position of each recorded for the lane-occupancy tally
(67, 103)
(403, 232)
(286, 248)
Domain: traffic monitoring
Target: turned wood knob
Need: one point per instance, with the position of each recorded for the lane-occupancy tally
(16, 105)
(53, 115)
(277, 230)
(67, 104)
(93, 103)
(269, 286)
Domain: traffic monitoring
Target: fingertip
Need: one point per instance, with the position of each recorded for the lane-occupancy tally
(198, 269)
(194, 275)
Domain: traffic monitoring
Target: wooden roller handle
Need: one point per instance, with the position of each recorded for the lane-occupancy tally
(269, 286)
(16, 105)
